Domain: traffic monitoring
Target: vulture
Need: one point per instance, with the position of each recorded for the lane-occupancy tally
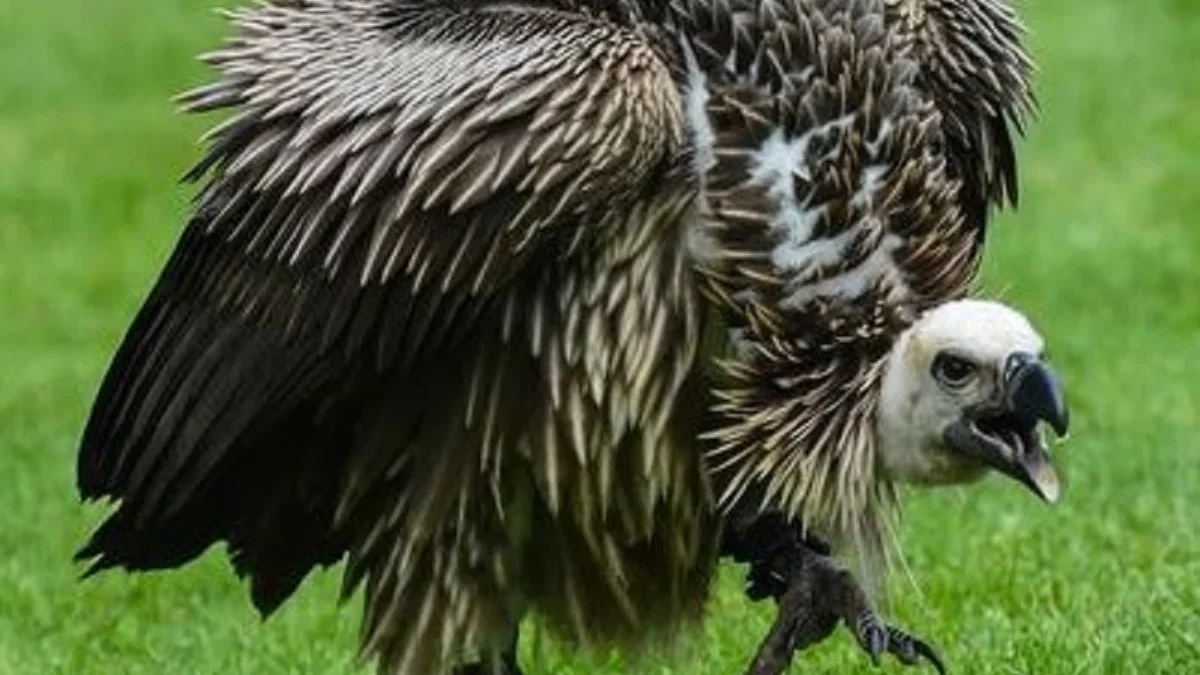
(519, 307)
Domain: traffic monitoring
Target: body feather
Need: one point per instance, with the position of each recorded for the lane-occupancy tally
(388, 331)
(834, 218)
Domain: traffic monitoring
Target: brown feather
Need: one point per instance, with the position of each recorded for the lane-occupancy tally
(823, 261)
(977, 71)
(405, 243)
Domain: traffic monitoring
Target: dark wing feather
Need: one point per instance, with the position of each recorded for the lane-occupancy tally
(389, 168)
(975, 67)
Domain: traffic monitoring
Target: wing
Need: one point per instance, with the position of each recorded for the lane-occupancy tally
(834, 218)
(388, 169)
(976, 69)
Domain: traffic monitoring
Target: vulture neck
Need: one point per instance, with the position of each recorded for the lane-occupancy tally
(794, 430)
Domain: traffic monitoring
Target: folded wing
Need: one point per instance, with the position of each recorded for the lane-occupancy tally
(389, 169)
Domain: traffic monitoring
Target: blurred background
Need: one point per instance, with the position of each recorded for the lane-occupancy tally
(1104, 254)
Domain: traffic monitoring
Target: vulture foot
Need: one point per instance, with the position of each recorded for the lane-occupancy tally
(876, 638)
(814, 594)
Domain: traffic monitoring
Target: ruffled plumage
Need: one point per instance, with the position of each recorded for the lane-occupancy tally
(439, 304)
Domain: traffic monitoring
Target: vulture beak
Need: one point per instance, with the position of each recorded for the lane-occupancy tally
(1006, 437)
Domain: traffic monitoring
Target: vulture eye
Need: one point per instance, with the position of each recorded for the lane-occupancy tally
(953, 371)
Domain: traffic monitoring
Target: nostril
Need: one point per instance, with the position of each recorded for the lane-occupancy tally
(1015, 363)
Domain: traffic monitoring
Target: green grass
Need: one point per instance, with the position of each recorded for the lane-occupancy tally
(1105, 254)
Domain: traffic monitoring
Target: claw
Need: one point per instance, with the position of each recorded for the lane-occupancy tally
(874, 639)
(878, 644)
(903, 647)
(926, 651)
(910, 650)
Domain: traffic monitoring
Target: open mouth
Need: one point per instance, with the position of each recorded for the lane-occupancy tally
(1007, 437)
(1019, 435)
(1011, 444)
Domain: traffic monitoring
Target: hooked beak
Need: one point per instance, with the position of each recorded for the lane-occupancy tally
(1007, 438)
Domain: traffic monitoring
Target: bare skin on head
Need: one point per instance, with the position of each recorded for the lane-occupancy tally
(965, 391)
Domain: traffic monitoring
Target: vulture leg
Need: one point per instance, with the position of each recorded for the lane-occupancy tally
(813, 594)
(767, 542)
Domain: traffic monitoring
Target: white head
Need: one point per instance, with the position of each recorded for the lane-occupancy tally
(964, 391)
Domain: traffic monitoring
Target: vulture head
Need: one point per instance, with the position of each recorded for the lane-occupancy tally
(966, 390)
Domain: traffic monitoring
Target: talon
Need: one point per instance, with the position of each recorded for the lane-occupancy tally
(910, 650)
(903, 647)
(923, 649)
(878, 644)
(874, 638)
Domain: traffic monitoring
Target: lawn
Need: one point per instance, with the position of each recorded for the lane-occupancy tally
(1104, 254)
